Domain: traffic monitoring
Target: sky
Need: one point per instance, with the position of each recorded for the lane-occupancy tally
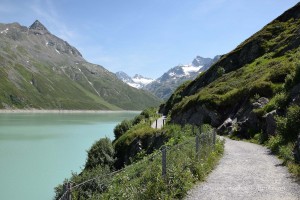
(147, 37)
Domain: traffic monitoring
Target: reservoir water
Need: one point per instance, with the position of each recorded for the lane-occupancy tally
(38, 151)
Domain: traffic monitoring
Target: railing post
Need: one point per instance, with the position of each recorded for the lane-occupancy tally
(65, 189)
(214, 137)
(164, 161)
(69, 191)
(197, 146)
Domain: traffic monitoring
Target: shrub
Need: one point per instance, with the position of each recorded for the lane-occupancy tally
(293, 78)
(262, 88)
(101, 153)
(286, 152)
(220, 71)
(274, 142)
(279, 101)
(293, 122)
(279, 75)
(121, 128)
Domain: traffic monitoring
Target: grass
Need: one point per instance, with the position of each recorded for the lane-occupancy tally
(143, 179)
(57, 82)
(247, 71)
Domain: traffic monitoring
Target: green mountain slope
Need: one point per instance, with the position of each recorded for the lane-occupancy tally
(39, 70)
(256, 68)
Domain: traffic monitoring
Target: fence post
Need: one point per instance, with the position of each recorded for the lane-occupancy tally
(197, 146)
(164, 161)
(69, 191)
(205, 143)
(65, 189)
(214, 137)
(156, 124)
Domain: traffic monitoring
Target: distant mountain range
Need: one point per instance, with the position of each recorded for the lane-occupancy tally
(40, 70)
(137, 81)
(165, 85)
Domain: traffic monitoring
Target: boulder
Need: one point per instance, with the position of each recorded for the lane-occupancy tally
(270, 123)
(226, 127)
(256, 105)
(296, 150)
(261, 102)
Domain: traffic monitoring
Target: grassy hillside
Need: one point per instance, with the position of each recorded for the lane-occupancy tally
(39, 70)
(258, 66)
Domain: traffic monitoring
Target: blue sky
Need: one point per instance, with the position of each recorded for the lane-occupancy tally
(147, 37)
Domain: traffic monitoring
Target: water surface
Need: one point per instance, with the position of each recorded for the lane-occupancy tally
(37, 151)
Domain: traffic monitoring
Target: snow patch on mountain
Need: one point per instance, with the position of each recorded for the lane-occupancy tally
(137, 81)
(142, 80)
(188, 69)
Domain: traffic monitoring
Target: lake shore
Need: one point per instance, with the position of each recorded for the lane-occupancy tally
(63, 111)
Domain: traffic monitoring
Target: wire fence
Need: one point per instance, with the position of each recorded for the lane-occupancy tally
(164, 161)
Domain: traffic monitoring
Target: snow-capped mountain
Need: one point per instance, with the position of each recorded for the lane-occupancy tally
(137, 81)
(165, 85)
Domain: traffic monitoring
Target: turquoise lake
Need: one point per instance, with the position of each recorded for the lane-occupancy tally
(38, 151)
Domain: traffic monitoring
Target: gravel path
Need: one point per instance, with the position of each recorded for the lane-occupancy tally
(247, 171)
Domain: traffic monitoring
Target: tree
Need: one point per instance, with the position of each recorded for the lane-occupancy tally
(101, 153)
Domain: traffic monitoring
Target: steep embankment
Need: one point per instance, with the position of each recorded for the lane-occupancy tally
(247, 171)
(40, 70)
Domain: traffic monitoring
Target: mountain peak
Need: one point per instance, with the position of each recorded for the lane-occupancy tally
(37, 25)
(200, 61)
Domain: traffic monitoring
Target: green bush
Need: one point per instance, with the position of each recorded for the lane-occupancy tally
(121, 128)
(286, 152)
(293, 122)
(279, 101)
(279, 75)
(220, 71)
(262, 88)
(101, 153)
(274, 142)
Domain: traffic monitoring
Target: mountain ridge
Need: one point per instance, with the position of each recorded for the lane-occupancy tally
(42, 71)
(163, 86)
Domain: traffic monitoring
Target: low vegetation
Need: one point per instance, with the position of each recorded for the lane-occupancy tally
(141, 177)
